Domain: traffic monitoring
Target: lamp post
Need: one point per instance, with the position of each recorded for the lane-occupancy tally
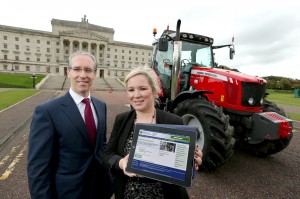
(33, 76)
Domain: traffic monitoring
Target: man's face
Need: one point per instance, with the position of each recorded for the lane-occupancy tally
(81, 74)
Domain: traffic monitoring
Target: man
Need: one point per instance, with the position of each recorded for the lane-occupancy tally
(64, 157)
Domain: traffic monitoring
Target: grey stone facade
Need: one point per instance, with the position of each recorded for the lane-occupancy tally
(41, 52)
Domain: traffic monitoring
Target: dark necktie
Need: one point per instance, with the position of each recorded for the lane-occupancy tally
(89, 120)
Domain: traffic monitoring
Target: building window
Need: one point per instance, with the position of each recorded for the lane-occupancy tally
(122, 65)
(108, 55)
(108, 49)
(116, 50)
(17, 47)
(5, 67)
(122, 57)
(143, 59)
(48, 59)
(57, 69)
(48, 42)
(16, 67)
(4, 37)
(17, 58)
(16, 38)
(27, 48)
(5, 46)
(116, 56)
(57, 50)
(136, 59)
(136, 52)
(27, 40)
(38, 59)
(38, 41)
(129, 58)
(57, 60)
(100, 55)
(101, 48)
(27, 68)
(130, 52)
(48, 50)
(5, 57)
(122, 51)
(57, 43)
(67, 52)
(27, 58)
(38, 49)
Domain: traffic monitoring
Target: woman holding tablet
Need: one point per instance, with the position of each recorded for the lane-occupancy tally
(142, 92)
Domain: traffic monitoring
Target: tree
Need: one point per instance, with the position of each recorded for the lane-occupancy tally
(271, 84)
(285, 84)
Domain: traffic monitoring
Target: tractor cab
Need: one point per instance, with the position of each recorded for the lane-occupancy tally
(191, 51)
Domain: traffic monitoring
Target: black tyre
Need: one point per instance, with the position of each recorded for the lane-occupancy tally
(215, 134)
(265, 148)
(269, 106)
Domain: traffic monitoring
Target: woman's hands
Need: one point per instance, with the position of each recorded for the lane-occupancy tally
(198, 157)
(123, 164)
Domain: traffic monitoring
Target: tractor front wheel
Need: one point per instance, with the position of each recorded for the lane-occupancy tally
(265, 148)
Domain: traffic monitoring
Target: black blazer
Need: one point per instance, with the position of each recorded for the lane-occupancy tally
(62, 162)
(114, 151)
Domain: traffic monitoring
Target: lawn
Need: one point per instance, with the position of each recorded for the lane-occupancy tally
(285, 98)
(10, 97)
(18, 80)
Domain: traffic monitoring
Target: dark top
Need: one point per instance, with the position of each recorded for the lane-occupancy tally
(115, 151)
(62, 161)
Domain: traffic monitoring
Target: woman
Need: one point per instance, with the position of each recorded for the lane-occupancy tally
(142, 92)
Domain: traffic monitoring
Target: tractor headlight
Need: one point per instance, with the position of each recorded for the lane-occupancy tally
(251, 101)
(261, 101)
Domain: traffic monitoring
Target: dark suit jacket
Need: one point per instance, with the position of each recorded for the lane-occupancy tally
(62, 162)
(114, 151)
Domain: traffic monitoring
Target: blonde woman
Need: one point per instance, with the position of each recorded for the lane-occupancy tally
(142, 92)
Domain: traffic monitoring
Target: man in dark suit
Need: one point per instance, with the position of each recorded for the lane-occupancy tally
(64, 161)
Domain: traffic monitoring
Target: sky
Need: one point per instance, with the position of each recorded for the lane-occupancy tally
(266, 33)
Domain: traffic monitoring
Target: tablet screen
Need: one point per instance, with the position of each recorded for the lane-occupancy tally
(163, 152)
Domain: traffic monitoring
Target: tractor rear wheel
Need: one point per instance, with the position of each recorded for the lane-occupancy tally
(215, 134)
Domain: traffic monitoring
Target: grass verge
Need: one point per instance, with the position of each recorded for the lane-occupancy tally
(10, 97)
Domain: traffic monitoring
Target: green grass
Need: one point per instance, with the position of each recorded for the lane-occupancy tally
(10, 97)
(285, 98)
(18, 80)
(294, 116)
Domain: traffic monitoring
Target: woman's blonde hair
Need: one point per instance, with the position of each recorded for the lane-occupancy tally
(150, 76)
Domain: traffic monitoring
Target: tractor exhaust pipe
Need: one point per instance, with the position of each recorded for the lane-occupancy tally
(175, 89)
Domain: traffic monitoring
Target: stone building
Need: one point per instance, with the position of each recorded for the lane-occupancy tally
(41, 52)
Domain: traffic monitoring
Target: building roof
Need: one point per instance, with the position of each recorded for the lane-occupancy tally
(84, 24)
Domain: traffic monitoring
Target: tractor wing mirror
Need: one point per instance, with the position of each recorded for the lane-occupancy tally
(231, 51)
(163, 44)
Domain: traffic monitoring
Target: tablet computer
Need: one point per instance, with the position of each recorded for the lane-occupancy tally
(163, 152)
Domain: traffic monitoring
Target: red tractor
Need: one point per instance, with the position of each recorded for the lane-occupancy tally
(229, 108)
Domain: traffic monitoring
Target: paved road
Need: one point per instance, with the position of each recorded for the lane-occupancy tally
(245, 176)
